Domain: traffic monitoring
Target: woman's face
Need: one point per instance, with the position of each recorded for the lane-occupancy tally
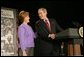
(26, 19)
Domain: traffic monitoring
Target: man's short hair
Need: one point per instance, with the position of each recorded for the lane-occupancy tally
(43, 9)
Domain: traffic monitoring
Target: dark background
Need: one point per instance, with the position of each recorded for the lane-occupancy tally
(67, 13)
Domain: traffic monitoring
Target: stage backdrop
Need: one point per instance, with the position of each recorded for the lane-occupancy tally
(8, 32)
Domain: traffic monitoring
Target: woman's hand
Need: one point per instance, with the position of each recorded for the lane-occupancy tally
(24, 53)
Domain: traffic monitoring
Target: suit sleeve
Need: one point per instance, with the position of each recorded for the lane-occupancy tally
(57, 26)
(41, 32)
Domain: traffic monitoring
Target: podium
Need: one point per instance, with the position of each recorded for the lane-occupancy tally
(74, 40)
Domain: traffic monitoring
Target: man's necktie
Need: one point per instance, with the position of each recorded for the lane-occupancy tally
(47, 26)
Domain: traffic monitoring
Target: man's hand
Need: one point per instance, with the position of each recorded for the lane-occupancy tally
(52, 36)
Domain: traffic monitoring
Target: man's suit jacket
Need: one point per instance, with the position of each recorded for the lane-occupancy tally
(44, 44)
(42, 30)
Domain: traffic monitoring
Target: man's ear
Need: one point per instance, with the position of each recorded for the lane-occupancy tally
(46, 13)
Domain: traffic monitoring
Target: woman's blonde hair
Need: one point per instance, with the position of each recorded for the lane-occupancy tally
(22, 15)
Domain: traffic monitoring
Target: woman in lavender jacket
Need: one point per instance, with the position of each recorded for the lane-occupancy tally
(25, 34)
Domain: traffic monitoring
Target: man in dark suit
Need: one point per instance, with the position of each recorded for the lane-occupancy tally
(46, 30)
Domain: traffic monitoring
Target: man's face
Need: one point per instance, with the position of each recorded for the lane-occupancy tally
(42, 14)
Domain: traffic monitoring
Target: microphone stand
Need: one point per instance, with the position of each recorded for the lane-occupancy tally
(62, 51)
